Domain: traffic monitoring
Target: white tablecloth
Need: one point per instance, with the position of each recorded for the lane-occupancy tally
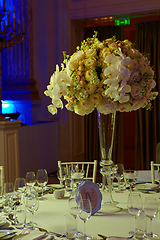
(51, 212)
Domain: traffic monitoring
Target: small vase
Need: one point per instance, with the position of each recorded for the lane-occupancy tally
(106, 128)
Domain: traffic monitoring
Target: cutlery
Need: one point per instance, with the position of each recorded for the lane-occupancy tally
(50, 232)
(104, 237)
(41, 237)
(7, 234)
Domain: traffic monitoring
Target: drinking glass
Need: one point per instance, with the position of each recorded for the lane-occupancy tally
(85, 212)
(151, 211)
(77, 175)
(131, 177)
(8, 204)
(134, 206)
(19, 204)
(42, 179)
(61, 174)
(32, 204)
(119, 175)
(73, 209)
(30, 179)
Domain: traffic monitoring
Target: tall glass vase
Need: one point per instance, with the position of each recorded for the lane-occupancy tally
(106, 128)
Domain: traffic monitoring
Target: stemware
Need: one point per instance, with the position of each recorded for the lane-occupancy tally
(134, 206)
(73, 209)
(77, 175)
(119, 174)
(30, 179)
(85, 213)
(19, 205)
(61, 174)
(131, 177)
(151, 211)
(32, 204)
(42, 179)
(8, 204)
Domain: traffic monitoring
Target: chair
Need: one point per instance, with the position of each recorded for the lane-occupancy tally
(89, 167)
(153, 165)
(1, 179)
(158, 153)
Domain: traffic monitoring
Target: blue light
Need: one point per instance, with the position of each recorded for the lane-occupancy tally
(8, 107)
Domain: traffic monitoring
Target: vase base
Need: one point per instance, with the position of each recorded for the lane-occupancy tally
(109, 208)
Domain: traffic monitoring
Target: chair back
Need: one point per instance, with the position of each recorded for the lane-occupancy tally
(90, 168)
(153, 166)
(1, 179)
(158, 153)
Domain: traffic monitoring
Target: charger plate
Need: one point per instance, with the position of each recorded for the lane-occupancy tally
(2, 222)
(146, 186)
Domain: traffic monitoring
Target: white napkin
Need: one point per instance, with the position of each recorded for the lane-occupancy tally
(33, 235)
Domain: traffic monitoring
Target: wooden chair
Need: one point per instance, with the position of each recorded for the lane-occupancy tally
(1, 179)
(153, 166)
(90, 168)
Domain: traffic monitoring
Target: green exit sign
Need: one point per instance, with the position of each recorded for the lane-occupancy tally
(122, 21)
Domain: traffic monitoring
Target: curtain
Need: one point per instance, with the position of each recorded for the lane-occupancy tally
(147, 122)
(91, 125)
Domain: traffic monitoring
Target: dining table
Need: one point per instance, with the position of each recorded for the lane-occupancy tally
(110, 220)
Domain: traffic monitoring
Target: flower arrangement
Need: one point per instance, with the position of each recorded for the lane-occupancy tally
(109, 76)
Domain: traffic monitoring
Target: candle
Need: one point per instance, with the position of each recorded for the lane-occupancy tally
(4, 28)
(14, 23)
(8, 18)
(3, 5)
(19, 31)
(23, 28)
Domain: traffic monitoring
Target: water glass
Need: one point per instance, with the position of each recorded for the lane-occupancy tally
(42, 180)
(70, 226)
(20, 202)
(151, 211)
(32, 204)
(30, 179)
(8, 193)
(20, 213)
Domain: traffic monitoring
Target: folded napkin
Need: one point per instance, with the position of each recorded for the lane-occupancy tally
(33, 235)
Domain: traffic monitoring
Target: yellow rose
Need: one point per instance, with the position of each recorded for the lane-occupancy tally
(89, 75)
(90, 53)
(89, 63)
(96, 98)
(90, 88)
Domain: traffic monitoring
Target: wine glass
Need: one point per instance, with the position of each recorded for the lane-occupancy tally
(151, 211)
(119, 174)
(134, 206)
(73, 208)
(30, 179)
(19, 191)
(19, 204)
(32, 204)
(42, 179)
(8, 204)
(61, 174)
(131, 177)
(85, 212)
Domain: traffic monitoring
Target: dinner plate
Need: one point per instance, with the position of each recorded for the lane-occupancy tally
(146, 186)
(2, 222)
(4, 232)
(58, 186)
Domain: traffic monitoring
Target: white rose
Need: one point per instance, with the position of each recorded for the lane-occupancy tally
(135, 90)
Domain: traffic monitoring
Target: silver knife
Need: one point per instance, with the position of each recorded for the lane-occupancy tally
(8, 234)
